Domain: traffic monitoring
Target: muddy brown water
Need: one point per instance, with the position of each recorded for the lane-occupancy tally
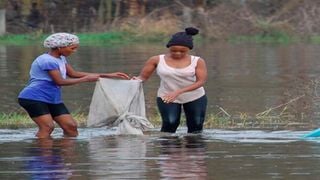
(99, 153)
(242, 78)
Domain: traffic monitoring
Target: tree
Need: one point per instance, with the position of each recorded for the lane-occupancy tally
(105, 11)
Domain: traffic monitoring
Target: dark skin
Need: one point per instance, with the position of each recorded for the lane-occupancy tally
(178, 57)
(77, 76)
(66, 121)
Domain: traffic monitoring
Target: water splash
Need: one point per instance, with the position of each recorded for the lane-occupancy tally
(253, 136)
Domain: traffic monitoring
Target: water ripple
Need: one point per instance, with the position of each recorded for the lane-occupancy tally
(252, 136)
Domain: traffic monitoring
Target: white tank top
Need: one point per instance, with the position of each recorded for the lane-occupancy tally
(177, 78)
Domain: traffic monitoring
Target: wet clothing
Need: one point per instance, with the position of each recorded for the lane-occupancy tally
(41, 87)
(194, 102)
(195, 112)
(42, 95)
(38, 108)
(177, 78)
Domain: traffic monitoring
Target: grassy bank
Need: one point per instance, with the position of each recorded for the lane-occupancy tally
(123, 37)
(85, 38)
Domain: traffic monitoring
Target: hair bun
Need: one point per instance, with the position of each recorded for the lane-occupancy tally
(191, 31)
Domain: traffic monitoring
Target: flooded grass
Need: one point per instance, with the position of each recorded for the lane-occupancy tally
(213, 121)
(15, 120)
(22, 120)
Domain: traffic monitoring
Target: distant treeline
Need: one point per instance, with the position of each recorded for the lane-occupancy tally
(216, 18)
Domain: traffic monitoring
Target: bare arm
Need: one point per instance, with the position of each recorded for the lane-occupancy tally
(78, 74)
(57, 78)
(148, 68)
(115, 75)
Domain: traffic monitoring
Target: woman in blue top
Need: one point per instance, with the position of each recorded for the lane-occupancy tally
(41, 98)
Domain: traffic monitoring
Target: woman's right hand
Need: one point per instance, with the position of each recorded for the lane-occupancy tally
(136, 78)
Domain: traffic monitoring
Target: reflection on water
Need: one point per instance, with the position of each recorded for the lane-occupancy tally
(123, 156)
(182, 157)
(40, 159)
(47, 158)
(216, 154)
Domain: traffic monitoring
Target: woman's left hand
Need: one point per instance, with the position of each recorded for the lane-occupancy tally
(170, 97)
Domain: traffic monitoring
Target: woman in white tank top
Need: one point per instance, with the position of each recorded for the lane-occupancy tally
(182, 78)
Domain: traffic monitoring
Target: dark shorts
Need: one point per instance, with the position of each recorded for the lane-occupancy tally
(38, 108)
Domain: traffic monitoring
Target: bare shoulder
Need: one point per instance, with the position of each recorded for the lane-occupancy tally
(201, 61)
(153, 60)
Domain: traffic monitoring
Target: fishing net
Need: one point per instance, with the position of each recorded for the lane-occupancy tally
(119, 103)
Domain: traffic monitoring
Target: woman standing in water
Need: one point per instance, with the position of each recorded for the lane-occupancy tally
(41, 98)
(182, 78)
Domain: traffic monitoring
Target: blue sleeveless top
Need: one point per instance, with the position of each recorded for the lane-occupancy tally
(41, 87)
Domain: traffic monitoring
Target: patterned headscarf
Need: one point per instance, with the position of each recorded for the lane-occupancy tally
(60, 40)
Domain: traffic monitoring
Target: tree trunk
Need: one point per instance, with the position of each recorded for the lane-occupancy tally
(2, 22)
(116, 13)
(108, 13)
(143, 7)
(133, 6)
(101, 10)
(2, 4)
(200, 4)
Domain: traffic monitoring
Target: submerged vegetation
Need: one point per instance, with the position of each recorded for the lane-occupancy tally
(16, 120)
(213, 121)
(296, 113)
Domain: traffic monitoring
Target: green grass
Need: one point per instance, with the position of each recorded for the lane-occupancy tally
(89, 39)
(314, 39)
(85, 39)
(124, 37)
(22, 120)
(20, 39)
(15, 120)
